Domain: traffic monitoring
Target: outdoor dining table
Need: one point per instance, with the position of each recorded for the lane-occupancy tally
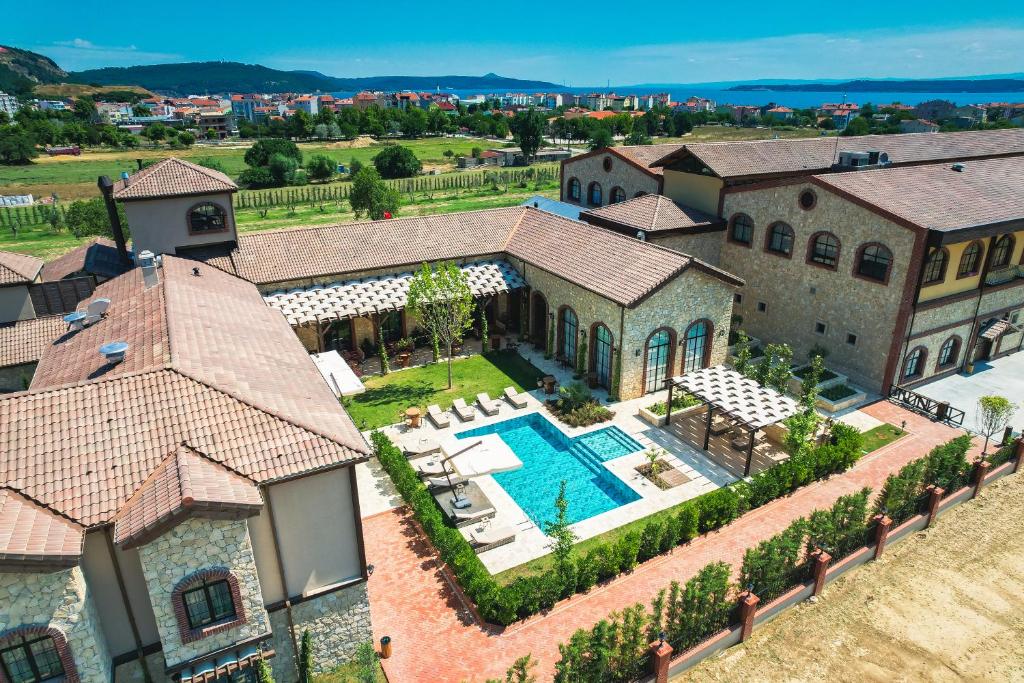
(414, 415)
(549, 383)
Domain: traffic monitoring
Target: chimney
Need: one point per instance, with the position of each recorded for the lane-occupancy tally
(138, 162)
(107, 189)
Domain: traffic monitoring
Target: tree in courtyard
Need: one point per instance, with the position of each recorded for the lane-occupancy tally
(993, 414)
(306, 658)
(528, 131)
(396, 161)
(562, 540)
(263, 673)
(441, 299)
(742, 363)
(320, 167)
(371, 195)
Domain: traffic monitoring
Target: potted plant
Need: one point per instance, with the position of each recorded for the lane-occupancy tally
(403, 350)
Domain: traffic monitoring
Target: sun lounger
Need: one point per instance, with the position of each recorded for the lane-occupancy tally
(441, 483)
(464, 412)
(489, 538)
(438, 416)
(464, 517)
(430, 469)
(488, 405)
(515, 398)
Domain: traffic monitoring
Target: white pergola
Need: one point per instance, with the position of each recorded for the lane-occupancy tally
(380, 293)
(738, 397)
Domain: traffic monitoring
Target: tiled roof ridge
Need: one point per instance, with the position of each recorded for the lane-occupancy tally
(272, 413)
(38, 503)
(511, 233)
(186, 445)
(208, 172)
(34, 263)
(657, 210)
(57, 388)
(130, 500)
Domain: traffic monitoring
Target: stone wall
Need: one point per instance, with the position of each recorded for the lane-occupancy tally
(622, 174)
(60, 600)
(706, 246)
(194, 545)
(16, 377)
(692, 296)
(338, 623)
(800, 295)
(132, 672)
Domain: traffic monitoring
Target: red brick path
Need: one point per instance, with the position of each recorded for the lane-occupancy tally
(435, 638)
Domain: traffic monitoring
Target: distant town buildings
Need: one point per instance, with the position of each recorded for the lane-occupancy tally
(8, 104)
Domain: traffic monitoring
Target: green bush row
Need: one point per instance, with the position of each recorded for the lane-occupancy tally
(528, 595)
(903, 494)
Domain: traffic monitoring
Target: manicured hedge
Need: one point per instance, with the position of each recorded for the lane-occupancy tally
(528, 595)
(903, 494)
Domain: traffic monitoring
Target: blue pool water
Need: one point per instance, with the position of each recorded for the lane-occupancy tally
(549, 456)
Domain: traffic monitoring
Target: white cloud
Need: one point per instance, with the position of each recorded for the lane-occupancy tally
(79, 53)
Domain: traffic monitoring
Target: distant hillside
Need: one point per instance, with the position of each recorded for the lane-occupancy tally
(922, 85)
(221, 77)
(21, 70)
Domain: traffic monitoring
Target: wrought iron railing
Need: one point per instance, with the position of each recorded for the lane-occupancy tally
(940, 410)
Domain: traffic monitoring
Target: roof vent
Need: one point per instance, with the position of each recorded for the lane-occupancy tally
(195, 272)
(959, 168)
(641, 235)
(124, 177)
(114, 351)
(149, 263)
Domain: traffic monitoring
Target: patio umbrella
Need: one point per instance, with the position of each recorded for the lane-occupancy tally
(486, 454)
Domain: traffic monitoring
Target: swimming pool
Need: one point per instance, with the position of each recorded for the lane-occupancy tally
(549, 456)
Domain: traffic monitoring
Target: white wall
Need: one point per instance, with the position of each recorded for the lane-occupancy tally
(15, 304)
(161, 225)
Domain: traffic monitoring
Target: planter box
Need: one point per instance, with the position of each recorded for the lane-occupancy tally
(659, 420)
(841, 404)
(754, 342)
(795, 383)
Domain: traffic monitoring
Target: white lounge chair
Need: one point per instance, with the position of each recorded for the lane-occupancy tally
(465, 413)
(488, 405)
(441, 483)
(489, 538)
(464, 517)
(515, 398)
(438, 416)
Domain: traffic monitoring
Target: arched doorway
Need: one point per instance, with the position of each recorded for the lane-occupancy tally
(539, 320)
(697, 346)
(568, 332)
(601, 355)
(658, 361)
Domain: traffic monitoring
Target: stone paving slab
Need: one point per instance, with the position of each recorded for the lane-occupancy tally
(436, 638)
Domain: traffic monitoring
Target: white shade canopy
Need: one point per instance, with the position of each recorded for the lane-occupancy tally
(738, 396)
(480, 455)
(336, 372)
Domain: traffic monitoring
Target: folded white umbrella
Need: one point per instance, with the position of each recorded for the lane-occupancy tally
(480, 455)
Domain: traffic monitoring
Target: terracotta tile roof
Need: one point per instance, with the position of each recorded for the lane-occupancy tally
(651, 212)
(25, 341)
(648, 156)
(811, 155)
(184, 484)
(172, 177)
(16, 269)
(98, 256)
(31, 534)
(937, 197)
(208, 365)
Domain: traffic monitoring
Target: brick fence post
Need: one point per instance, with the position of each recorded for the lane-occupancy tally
(1019, 452)
(661, 655)
(748, 608)
(884, 525)
(821, 560)
(980, 470)
(935, 494)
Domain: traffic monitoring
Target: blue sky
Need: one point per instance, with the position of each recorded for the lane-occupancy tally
(579, 43)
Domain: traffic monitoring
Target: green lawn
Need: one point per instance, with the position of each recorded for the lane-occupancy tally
(388, 395)
(882, 435)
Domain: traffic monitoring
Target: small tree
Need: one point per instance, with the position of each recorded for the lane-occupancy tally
(371, 195)
(263, 673)
(809, 383)
(306, 658)
(365, 661)
(396, 161)
(385, 364)
(440, 297)
(993, 414)
(742, 364)
(320, 167)
(581, 354)
(562, 537)
(653, 459)
(549, 350)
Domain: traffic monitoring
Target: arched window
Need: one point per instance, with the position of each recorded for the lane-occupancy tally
(949, 352)
(741, 229)
(780, 239)
(913, 366)
(874, 262)
(824, 250)
(618, 195)
(594, 194)
(207, 217)
(574, 189)
(567, 333)
(34, 654)
(970, 260)
(698, 346)
(658, 360)
(935, 267)
(1002, 251)
(601, 356)
(207, 602)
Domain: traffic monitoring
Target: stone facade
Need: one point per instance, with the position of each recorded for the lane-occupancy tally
(621, 173)
(338, 623)
(799, 295)
(16, 377)
(707, 246)
(61, 601)
(193, 546)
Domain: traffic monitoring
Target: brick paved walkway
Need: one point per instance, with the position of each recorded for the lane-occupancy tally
(435, 638)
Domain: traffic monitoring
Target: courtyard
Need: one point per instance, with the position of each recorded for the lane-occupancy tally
(1002, 377)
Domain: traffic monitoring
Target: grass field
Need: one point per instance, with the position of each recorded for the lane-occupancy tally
(387, 395)
(735, 134)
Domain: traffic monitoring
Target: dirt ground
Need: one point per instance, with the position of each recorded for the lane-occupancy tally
(944, 605)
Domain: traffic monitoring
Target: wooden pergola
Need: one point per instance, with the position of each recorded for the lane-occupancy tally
(735, 396)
